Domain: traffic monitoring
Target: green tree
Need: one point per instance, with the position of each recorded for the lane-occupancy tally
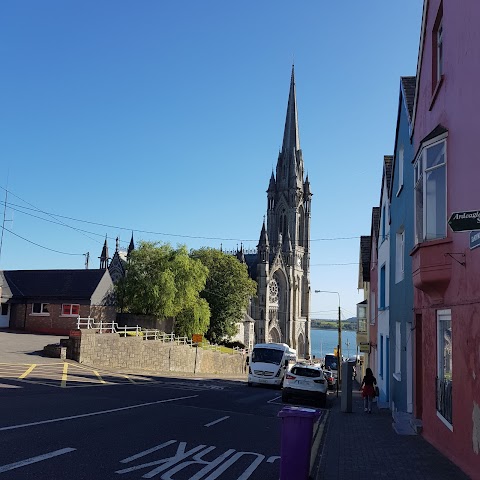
(227, 291)
(164, 282)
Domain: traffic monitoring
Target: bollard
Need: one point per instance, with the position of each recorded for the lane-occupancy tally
(63, 353)
(296, 442)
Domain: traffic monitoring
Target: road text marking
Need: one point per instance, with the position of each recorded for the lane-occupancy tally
(39, 458)
(217, 421)
(73, 417)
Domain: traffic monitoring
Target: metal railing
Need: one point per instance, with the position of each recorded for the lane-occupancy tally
(89, 323)
(444, 398)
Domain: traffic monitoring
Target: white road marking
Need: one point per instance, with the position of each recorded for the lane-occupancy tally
(273, 399)
(73, 417)
(216, 421)
(146, 452)
(39, 458)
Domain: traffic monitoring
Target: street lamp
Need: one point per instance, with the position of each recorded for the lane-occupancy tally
(339, 346)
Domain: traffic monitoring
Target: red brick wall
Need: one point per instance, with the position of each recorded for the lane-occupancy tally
(54, 322)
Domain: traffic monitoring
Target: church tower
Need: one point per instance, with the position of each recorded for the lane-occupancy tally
(283, 264)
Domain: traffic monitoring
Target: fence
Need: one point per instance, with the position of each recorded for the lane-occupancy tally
(147, 334)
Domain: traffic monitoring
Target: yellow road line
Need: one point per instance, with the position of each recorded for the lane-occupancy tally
(128, 378)
(29, 370)
(99, 377)
(64, 375)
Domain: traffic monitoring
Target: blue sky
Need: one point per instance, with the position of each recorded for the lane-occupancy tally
(167, 117)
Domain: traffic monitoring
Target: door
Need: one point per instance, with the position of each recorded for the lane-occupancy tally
(387, 369)
(5, 316)
(418, 374)
(409, 363)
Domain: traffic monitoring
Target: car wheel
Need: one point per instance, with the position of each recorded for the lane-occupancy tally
(322, 401)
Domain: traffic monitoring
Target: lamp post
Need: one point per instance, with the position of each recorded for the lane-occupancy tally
(339, 346)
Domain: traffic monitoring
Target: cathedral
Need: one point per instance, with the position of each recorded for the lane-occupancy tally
(281, 266)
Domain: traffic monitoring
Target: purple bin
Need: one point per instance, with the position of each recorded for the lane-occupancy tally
(296, 443)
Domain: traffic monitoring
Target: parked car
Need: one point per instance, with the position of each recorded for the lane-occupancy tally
(331, 380)
(305, 381)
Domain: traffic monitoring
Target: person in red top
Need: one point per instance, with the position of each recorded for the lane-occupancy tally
(368, 391)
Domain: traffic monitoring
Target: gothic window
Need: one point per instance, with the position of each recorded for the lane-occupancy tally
(273, 291)
(301, 226)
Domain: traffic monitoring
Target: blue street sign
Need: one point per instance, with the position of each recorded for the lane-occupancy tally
(474, 239)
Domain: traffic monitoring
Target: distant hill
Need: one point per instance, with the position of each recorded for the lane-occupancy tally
(331, 323)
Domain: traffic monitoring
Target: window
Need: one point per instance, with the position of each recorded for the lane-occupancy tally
(380, 372)
(381, 306)
(437, 49)
(430, 193)
(361, 318)
(400, 255)
(400, 169)
(4, 309)
(40, 308)
(444, 367)
(70, 309)
(398, 351)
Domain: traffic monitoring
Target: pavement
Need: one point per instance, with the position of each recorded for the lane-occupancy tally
(23, 347)
(364, 446)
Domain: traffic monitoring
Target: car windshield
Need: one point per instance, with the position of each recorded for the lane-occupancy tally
(306, 372)
(267, 355)
(331, 362)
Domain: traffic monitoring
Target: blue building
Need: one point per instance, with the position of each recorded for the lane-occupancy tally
(401, 244)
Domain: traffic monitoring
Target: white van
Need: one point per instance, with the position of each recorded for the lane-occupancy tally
(269, 362)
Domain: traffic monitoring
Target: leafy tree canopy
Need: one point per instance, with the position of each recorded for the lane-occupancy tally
(165, 282)
(227, 291)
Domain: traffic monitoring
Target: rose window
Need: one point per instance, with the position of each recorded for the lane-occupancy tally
(273, 291)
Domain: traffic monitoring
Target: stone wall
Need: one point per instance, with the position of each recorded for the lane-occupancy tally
(109, 350)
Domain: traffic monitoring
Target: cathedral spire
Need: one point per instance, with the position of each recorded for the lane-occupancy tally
(131, 246)
(104, 258)
(291, 139)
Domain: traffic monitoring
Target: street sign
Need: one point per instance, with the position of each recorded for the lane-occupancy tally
(462, 221)
(474, 239)
(197, 338)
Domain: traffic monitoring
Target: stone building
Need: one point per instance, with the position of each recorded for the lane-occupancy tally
(281, 265)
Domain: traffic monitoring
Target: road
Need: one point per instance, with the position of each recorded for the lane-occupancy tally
(63, 420)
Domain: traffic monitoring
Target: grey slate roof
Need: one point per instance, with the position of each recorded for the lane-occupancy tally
(408, 84)
(251, 259)
(38, 284)
(365, 250)
(388, 162)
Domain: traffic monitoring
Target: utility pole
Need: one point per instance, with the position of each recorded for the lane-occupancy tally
(339, 348)
(87, 258)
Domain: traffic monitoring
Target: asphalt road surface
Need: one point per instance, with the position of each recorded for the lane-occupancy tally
(59, 422)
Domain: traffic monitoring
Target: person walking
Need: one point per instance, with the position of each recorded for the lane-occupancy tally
(368, 390)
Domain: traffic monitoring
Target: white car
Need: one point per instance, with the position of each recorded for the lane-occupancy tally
(305, 381)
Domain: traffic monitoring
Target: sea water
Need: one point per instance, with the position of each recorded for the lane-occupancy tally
(324, 341)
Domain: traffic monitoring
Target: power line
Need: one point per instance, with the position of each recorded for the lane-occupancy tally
(11, 205)
(38, 245)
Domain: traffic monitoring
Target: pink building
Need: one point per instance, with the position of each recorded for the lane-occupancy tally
(446, 264)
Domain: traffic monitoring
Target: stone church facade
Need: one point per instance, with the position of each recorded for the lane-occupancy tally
(281, 266)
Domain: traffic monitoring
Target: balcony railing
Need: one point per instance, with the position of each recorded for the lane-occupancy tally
(444, 399)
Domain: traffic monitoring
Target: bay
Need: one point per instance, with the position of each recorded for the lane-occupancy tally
(323, 341)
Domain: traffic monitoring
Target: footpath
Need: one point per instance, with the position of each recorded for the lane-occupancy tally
(362, 446)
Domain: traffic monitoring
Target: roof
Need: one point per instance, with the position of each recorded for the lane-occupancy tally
(388, 162)
(408, 87)
(251, 259)
(53, 283)
(365, 251)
